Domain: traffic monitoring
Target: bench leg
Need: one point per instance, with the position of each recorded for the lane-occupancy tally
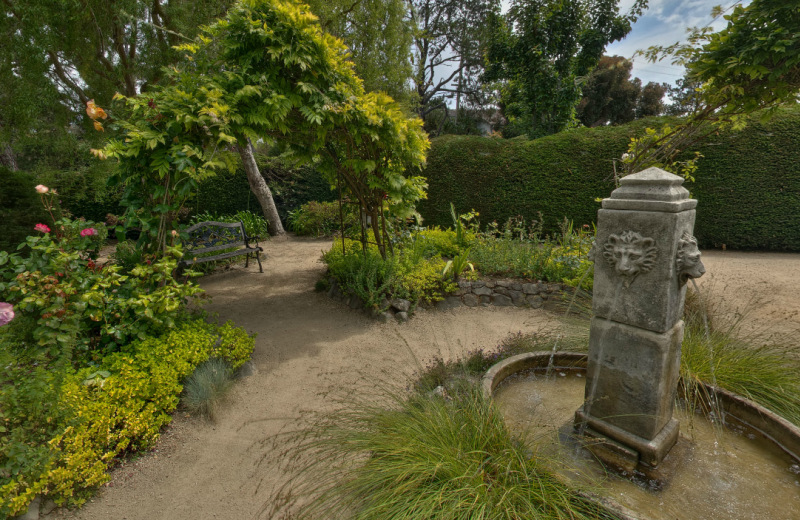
(247, 260)
(260, 269)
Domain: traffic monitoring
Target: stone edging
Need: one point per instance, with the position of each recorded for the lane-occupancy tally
(480, 293)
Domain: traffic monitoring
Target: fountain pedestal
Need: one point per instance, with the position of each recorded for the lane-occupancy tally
(644, 253)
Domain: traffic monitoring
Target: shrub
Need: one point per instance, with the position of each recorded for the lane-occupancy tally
(208, 386)
(562, 175)
(410, 456)
(254, 224)
(81, 308)
(128, 254)
(20, 208)
(92, 415)
(401, 275)
(322, 219)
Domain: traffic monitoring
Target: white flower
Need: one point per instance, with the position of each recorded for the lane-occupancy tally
(42, 189)
(626, 156)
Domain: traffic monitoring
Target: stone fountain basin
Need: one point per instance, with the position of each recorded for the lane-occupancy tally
(775, 428)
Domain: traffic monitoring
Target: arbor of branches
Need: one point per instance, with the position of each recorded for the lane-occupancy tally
(752, 64)
(264, 71)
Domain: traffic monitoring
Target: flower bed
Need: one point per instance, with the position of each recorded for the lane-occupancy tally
(97, 413)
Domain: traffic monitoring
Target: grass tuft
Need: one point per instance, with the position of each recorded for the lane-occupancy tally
(404, 455)
(755, 364)
(207, 388)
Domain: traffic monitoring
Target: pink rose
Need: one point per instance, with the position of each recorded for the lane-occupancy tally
(6, 313)
(42, 228)
(88, 232)
(41, 188)
(174, 233)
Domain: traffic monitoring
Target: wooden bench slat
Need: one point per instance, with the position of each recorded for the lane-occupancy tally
(219, 257)
(215, 248)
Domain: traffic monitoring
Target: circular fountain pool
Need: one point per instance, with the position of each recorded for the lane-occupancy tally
(715, 472)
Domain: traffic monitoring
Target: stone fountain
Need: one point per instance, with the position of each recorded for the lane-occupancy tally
(687, 464)
(644, 254)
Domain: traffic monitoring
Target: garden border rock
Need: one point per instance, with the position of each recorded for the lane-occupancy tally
(506, 292)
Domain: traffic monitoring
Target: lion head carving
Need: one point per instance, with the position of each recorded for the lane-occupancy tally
(687, 261)
(630, 254)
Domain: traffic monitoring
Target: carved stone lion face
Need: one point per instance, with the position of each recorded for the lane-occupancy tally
(630, 254)
(687, 261)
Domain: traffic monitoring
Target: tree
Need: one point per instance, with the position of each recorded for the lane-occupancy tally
(59, 54)
(448, 45)
(379, 36)
(684, 96)
(651, 100)
(752, 64)
(609, 95)
(540, 51)
(265, 70)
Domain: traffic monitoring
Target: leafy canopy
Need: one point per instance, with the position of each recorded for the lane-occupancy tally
(752, 64)
(264, 71)
(542, 50)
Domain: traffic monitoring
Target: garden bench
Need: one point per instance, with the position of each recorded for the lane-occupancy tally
(207, 237)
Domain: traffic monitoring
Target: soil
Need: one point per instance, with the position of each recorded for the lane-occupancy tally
(308, 346)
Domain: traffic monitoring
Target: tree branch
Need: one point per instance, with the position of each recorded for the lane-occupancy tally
(64, 77)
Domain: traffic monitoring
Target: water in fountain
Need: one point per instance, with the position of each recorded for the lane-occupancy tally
(752, 479)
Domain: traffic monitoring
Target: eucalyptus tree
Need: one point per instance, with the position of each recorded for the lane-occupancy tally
(447, 56)
(542, 51)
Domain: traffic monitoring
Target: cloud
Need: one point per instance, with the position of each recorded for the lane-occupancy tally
(664, 23)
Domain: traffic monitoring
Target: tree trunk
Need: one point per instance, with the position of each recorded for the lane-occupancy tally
(7, 158)
(260, 189)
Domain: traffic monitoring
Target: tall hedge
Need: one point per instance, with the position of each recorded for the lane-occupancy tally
(747, 183)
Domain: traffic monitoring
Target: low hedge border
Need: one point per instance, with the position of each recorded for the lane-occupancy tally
(121, 413)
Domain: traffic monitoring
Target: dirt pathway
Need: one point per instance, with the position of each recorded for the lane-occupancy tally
(764, 286)
(307, 345)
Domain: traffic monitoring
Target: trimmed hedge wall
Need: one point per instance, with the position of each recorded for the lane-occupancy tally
(748, 182)
(225, 193)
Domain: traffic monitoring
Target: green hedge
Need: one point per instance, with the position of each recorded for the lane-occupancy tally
(748, 182)
(226, 193)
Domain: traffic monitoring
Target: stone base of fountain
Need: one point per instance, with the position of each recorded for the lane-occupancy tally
(624, 451)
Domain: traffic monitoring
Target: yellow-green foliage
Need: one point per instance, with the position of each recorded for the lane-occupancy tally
(424, 280)
(402, 275)
(445, 241)
(121, 405)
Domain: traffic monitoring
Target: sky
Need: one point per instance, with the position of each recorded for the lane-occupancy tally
(664, 23)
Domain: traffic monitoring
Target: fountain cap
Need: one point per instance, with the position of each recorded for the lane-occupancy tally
(652, 189)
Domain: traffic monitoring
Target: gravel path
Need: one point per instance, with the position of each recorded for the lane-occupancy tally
(307, 345)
